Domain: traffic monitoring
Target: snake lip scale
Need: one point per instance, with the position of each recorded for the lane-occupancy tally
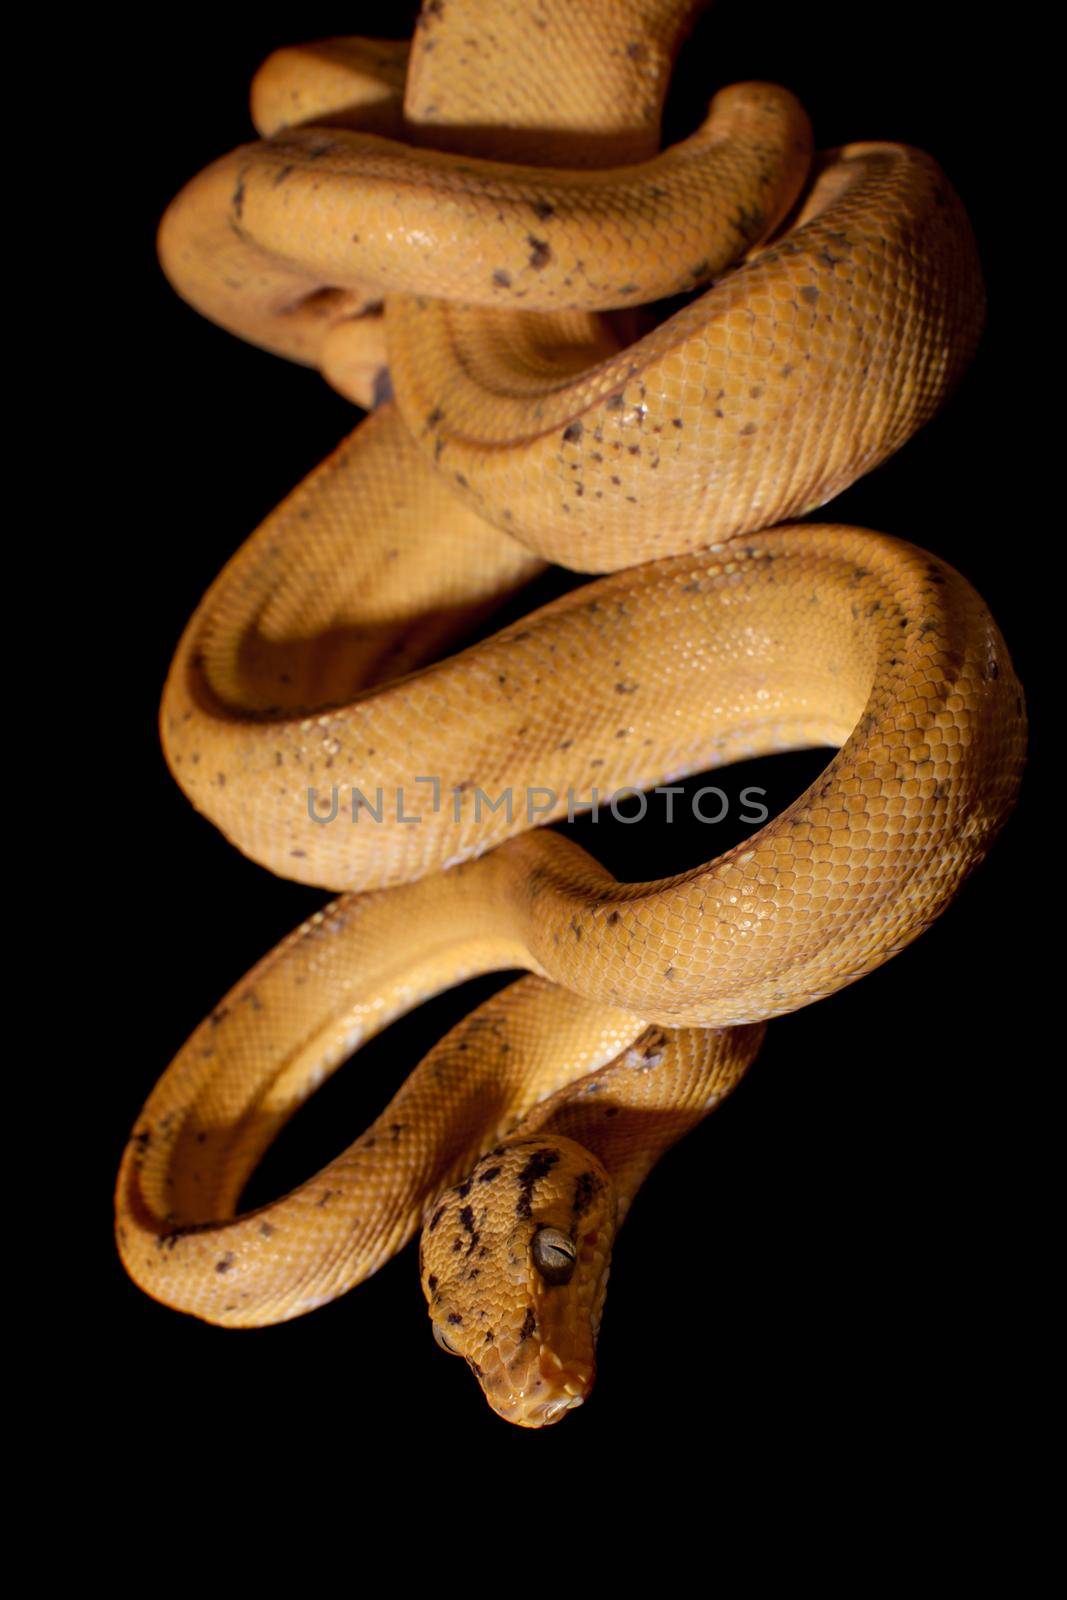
(461, 238)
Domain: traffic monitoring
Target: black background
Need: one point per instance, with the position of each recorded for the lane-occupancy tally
(824, 1260)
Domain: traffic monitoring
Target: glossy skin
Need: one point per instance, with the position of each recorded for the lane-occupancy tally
(515, 439)
(515, 1258)
(529, 1341)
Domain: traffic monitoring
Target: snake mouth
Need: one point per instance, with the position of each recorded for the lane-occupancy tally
(544, 1413)
(545, 1396)
(554, 1410)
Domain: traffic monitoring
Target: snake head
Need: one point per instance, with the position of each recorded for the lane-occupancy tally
(514, 1265)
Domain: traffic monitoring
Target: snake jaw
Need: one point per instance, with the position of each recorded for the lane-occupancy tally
(545, 1412)
(538, 1391)
(529, 1339)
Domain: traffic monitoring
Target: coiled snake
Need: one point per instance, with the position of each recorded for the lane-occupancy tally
(499, 187)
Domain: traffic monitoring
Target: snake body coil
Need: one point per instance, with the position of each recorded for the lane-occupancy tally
(512, 221)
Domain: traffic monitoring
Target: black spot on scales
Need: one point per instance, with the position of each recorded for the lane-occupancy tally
(536, 1167)
(540, 252)
(586, 1189)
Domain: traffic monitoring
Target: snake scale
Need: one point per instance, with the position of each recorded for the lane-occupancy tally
(465, 235)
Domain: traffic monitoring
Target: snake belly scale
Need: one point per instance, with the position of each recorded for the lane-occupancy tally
(464, 237)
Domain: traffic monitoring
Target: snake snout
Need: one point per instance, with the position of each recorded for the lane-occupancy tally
(551, 1411)
(541, 1394)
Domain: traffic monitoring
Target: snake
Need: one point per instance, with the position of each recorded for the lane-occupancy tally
(648, 366)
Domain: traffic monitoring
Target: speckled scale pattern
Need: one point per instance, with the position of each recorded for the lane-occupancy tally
(517, 437)
(574, 1163)
(788, 640)
(890, 643)
(268, 1045)
(769, 394)
(355, 209)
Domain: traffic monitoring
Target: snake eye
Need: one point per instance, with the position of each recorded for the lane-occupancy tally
(554, 1255)
(443, 1340)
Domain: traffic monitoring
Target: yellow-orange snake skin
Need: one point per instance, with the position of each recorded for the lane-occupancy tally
(464, 235)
